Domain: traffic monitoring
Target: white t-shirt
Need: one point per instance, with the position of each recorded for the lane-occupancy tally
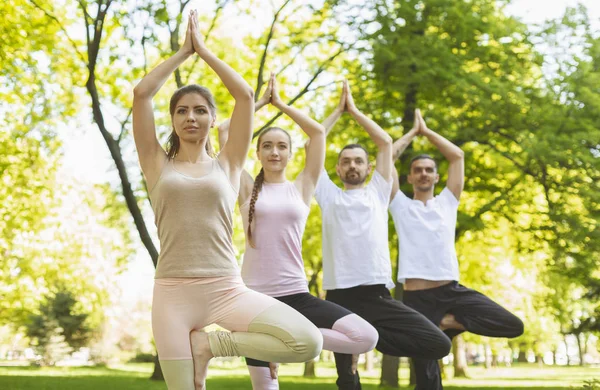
(355, 233)
(426, 236)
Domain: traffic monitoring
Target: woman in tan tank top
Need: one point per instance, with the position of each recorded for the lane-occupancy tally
(193, 194)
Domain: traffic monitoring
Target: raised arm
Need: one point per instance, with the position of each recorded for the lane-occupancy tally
(330, 121)
(452, 153)
(306, 182)
(151, 155)
(246, 180)
(233, 155)
(377, 134)
(336, 113)
(224, 126)
(398, 147)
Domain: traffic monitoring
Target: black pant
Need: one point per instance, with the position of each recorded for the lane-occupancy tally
(321, 313)
(476, 312)
(402, 330)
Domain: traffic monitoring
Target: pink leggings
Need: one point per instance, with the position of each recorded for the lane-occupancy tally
(343, 332)
(350, 334)
(260, 326)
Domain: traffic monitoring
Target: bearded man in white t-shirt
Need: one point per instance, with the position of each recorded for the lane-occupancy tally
(428, 265)
(356, 259)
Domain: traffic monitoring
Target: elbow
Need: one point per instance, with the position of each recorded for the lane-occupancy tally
(320, 130)
(459, 155)
(139, 92)
(385, 142)
(246, 94)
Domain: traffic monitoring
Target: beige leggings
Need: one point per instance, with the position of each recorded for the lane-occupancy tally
(260, 327)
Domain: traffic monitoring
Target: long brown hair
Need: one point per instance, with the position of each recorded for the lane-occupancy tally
(258, 183)
(173, 142)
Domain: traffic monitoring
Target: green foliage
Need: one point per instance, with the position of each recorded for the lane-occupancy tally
(142, 357)
(530, 206)
(59, 328)
(593, 384)
(527, 120)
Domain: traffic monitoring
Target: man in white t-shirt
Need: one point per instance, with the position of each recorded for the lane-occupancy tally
(428, 265)
(356, 260)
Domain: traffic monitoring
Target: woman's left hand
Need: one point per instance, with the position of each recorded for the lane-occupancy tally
(275, 98)
(197, 39)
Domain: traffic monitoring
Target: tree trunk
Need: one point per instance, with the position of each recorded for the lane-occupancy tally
(93, 48)
(389, 371)
(460, 357)
(522, 353)
(567, 350)
(157, 374)
(369, 361)
(488, 356)
(494, 360)
(539, 359)
(579, 348)
(309, 369)
(412, 376)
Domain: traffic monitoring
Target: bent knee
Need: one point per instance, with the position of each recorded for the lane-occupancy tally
(517, 327)
(363, 334)
(370, 337)
(307, 344)
(441, 347)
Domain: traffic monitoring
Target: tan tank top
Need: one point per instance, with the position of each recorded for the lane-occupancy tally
(194, 221)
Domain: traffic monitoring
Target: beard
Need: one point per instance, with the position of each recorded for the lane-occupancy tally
(355, 179)
(424, 187)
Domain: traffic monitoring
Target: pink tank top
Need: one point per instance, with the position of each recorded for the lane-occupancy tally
(275, 266)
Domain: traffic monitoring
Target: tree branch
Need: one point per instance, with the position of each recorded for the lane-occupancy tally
(263, 58)
(123, 124)
(62, 28)
(303, 91)
(112, 144)
(522, 167)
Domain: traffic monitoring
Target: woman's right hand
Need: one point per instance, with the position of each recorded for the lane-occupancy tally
(266, 96)
(197, 38)
(275, 98)
(188, 48)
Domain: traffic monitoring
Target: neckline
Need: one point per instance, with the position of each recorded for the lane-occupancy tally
(426, 204)
(275, 184)
(193, 177)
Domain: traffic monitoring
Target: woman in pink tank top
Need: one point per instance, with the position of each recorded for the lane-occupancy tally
(274, 212)
(193, 195)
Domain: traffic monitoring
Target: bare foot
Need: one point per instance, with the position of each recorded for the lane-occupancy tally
(201, 354)
(273, 367)
(449, 322)
(354, 363)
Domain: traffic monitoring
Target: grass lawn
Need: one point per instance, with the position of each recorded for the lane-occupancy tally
(134, 377)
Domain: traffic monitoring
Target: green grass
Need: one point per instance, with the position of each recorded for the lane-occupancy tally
(135, 376)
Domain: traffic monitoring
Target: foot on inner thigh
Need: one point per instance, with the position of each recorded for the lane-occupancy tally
(449, 322)
(354, 363)
(201, 354)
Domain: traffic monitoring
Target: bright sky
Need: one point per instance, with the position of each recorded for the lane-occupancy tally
(87, 158)
(536, 11)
